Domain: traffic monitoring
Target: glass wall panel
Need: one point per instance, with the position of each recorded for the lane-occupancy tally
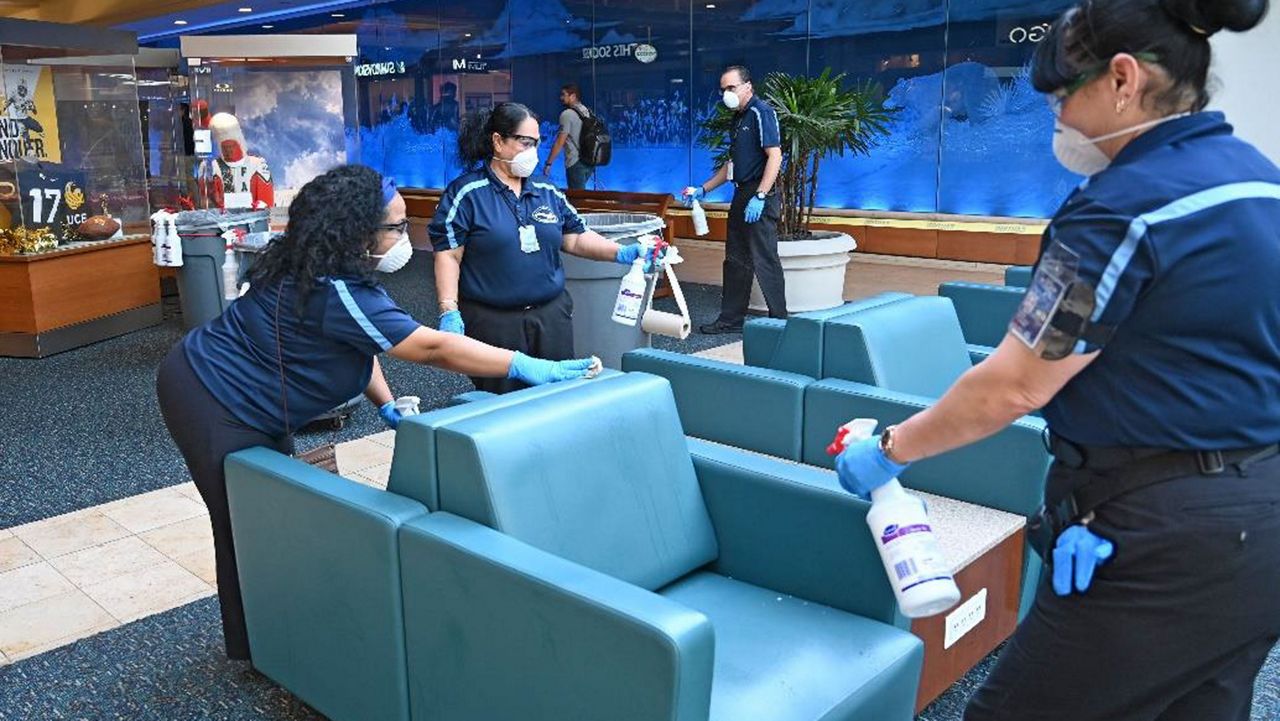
(641, 68)
(764, 35)
(902, 52)
(997, 131)
(969, 134)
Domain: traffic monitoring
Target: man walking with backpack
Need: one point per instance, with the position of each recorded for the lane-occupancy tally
(583, 138)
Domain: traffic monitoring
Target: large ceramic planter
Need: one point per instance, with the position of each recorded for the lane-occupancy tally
(814, 272)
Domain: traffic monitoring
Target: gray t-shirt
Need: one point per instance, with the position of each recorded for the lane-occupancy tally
(571, 124)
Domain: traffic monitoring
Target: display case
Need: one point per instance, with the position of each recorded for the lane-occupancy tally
(268, 113)
(74, 251)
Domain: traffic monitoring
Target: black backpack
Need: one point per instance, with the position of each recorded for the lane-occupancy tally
(595, 146)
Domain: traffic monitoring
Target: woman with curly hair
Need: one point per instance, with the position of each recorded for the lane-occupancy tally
(305, 339)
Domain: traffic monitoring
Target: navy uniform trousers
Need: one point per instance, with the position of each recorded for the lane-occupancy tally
(751, 250)
(1174, 627)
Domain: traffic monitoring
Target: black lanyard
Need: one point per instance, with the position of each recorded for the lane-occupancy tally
(503, 190)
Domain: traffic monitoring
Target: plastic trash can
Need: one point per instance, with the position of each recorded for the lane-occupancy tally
(200, 291)
(594, 287)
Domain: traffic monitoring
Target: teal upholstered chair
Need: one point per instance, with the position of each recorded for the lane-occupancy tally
(591, 562)
(984, 312)
(319, 562)
(795, 344)
(1018, 276)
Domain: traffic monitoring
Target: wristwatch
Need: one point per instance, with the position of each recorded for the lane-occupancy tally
(760, 195)
(886, 443)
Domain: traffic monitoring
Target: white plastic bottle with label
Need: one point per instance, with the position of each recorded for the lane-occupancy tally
(699, 219)
(626, 310)
(899, 523)
(230, 276)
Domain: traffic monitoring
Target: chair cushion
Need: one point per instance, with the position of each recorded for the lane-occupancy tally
(780, 658)
(414, 470)
(911, 346)
(599, 474)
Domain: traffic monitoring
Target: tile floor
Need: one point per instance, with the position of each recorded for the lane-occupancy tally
(81, 573)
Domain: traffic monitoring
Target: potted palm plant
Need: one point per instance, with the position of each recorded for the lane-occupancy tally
(818, 117)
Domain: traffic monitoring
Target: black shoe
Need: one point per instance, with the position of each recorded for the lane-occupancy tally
(720, 327)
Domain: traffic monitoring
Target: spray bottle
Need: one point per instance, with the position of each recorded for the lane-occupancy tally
(230, 276)
(699, 215)
(899, 522)
(626, 310)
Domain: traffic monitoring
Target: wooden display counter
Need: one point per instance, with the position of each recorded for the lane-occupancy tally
(64, 299)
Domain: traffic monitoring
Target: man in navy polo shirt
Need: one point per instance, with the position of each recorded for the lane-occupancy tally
(755, 157)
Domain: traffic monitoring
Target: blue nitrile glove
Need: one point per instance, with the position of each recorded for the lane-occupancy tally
(1076, 554)
(451, 322)
(755, 209)
(627, 255)
(697, 194)
(389, 414)
(536, 371)
(863, 467)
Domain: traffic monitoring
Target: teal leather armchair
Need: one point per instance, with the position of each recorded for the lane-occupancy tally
(1018, 276)
(984, 312)
(588, 563)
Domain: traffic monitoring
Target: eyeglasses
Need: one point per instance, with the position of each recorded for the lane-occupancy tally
(1059, 97)
(526, 141)
(400, 227)
(733, 88)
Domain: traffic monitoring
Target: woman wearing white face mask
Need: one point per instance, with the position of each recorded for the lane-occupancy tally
(498, 235)
(304, 339)
(1150, 336)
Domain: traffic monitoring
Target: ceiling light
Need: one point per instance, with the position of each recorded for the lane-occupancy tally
(179, 22)
(267, 27)
(337, 15)
(246, 10)
(711, 6)
(466, 35)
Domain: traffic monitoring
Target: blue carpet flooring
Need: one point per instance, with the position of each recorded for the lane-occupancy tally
(82, 428)
(170, 667)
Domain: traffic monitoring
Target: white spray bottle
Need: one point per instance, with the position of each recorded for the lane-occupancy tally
(626, 310)
(899, 522)
(230, 276)
(698, 214)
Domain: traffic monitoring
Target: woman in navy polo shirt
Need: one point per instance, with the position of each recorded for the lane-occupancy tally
(1150, 335)
(305, 339)
(498, 236)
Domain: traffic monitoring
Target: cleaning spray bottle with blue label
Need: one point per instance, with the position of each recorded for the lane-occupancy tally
(917, 570)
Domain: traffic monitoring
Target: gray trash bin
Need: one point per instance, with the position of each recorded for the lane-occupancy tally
(594, 287)
(200, 289)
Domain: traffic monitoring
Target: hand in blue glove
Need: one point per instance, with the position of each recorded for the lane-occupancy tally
(536, 371)
(389, 414)
(451, 322)
(1077, 553)
(863, 467)
(755, 209)
(697, 194)
(627, 255)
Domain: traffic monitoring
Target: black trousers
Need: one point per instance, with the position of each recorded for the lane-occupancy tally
(1174, 627)
(543, 331)
(752, 250)
(206, 433)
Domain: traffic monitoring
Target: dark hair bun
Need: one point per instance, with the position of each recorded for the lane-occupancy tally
(1209, 16)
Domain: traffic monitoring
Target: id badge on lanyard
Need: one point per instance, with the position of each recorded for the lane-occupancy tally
(529, 239)
(1054, 278)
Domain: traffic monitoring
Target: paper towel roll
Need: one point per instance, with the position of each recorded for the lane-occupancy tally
(663, 323)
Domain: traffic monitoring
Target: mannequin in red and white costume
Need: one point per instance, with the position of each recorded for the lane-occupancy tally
(235, 179)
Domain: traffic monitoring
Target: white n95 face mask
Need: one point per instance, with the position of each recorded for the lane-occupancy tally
(731, 100)
(1080, 154)
(525, 162)
(397, 257)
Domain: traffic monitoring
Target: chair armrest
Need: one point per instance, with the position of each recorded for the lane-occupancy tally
(470, 397)
(1006, 471)
(983, 310)
(497, 629)
(753, 408)
(979, 353)
(760, 338)
(791, 528)
(319, 568)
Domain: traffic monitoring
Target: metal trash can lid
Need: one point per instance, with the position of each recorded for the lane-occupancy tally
(621, 226)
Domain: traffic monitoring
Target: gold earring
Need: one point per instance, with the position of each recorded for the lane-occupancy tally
(1120, 105)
